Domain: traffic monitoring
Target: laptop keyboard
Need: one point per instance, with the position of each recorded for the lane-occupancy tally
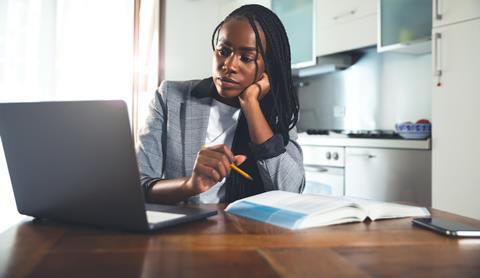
(157, 216)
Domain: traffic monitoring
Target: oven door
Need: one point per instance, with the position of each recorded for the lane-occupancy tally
(324, 180)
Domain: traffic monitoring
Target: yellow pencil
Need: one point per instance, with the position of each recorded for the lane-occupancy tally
(238, 170)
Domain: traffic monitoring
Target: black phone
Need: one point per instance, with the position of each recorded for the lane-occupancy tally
(447, 227)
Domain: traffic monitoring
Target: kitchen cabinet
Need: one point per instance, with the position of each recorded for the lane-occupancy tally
(453, 11)
(455, 114)
(344, 25)
(380, 169)
(324, 170)
(298, 18)
(405, 26)
(388, 174)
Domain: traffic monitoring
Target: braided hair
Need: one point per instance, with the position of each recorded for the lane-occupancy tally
(282, 101)
(280, 106)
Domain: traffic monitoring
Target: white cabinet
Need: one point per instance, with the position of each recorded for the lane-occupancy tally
(298, 19)
(320, 155)
(454, 11)
(344, 25)
(455, 116)
(324, 173)
(405, 26)
(388, 174)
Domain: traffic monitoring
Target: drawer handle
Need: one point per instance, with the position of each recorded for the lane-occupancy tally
(366, 155)
(345, 14)
(314, 168)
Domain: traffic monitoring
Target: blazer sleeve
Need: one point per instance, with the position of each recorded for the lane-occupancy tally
(280, 167)
(152, 139)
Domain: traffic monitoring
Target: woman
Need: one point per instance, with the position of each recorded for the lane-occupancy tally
(245, 114)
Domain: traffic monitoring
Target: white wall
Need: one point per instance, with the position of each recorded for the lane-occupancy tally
(189, 27)
(406, 88)
(48, 51)
(376, 92)
(228, 6)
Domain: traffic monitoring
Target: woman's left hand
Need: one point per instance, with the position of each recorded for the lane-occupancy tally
(257, 90)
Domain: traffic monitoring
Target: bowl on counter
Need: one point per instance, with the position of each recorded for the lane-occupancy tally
(414, 131)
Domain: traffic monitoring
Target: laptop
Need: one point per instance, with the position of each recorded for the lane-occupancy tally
(75, 161)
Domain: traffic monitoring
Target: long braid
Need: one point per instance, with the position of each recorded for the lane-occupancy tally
(280, 106)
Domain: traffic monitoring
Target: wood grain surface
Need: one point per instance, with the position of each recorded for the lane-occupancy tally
(229, 246)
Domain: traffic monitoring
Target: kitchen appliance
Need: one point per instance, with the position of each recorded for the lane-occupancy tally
(324, 170)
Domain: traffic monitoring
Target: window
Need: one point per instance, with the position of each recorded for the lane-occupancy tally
(62, 50)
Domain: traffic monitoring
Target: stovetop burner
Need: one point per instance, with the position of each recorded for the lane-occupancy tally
(374, 133)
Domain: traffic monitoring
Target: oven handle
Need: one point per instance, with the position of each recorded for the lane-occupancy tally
(365, 155)
(314, 168)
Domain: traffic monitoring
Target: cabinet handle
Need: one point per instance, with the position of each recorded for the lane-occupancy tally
(436, 63)
(366, 155)
(314, 168)
(345, 14)
(438, 16)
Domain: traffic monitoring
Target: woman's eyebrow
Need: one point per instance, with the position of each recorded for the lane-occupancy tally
(247, 48)
(225, 42)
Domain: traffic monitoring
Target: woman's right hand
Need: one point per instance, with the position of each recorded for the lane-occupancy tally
(211, 166)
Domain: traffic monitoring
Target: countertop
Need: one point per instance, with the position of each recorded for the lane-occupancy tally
(344, 141)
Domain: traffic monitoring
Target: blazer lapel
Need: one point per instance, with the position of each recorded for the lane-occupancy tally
(197, 113)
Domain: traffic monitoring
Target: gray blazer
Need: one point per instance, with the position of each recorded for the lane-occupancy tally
(176, 129)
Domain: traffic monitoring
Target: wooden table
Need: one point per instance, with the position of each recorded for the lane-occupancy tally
(229, 246)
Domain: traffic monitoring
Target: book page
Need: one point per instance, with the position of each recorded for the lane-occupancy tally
(296, 211)
(339, 216)
(380, 210)
(302, 203)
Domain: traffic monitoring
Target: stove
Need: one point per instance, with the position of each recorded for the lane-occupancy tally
(373, 133)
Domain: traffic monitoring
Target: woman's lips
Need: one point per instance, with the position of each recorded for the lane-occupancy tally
(227, 83)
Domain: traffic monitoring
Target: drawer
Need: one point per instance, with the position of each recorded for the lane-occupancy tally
(327, 156)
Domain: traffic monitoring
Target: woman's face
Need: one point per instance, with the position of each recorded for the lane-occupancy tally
(234, 58)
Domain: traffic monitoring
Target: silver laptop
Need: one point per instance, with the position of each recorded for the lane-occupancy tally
(75, 162)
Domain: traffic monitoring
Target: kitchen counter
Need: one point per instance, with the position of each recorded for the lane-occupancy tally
(344, 141)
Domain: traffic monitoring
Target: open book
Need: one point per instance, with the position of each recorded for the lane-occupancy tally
(298, 211)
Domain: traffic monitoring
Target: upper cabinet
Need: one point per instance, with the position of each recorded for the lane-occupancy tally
(343, 25)
(405, 26)
(453, 11)
(298, 19)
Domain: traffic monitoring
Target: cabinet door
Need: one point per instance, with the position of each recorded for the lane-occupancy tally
(388, 174)
(405, 26)
(342, 11)
(453, 11)
(344, 25)
(326, 156)
(298, 18)
(455, 117)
